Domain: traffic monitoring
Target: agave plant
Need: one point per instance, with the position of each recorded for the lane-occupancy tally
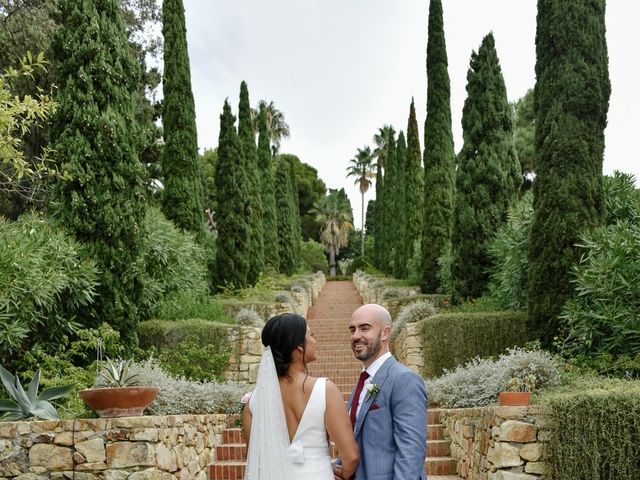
(117, 374)
(29, 404)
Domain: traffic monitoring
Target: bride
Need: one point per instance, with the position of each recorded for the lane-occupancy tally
(290, 415)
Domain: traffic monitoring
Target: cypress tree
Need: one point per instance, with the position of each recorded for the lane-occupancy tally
(488, 174)
(269, 221)
(439, 156)
(102, 198)
(378, 217)
(571, 99)
(413, 186)
(233, 246)
(398, 212)
(183, 195)
(285, 218)
(385, 220)
(250, 160)
(295, 208)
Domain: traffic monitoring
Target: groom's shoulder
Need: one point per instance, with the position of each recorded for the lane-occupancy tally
(400, 369)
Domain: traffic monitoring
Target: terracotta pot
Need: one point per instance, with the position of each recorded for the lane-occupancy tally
(512, 399)
(119, 401)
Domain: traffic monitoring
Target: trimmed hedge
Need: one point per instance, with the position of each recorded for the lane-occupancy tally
(595, 428)
(196, 349)
(452, 339)
(395, 305)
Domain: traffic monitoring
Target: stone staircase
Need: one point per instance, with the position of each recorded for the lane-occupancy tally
(329, 320)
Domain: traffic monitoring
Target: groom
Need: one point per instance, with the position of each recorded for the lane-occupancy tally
(388, 407)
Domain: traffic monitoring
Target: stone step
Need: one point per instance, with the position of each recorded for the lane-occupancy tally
(232, 436)
(440, 466)
(435, 432)
(226, 470)
(445, 477)
(437, 448)
(231, 451)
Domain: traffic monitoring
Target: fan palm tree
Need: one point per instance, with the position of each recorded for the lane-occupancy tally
(335, 224)
(276, 125)
(361, 167)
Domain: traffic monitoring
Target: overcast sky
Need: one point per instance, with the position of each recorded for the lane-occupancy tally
(340, 69)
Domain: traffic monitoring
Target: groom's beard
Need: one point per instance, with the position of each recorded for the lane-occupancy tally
(370, 350)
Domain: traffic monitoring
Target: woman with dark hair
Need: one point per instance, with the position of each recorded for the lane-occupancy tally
(290, 415)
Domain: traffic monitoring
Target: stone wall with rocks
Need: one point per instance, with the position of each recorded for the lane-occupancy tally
(133, 448)
(498, 443)
(246, 346)
(406, 346)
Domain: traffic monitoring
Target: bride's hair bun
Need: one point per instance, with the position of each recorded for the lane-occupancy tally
(283, 333)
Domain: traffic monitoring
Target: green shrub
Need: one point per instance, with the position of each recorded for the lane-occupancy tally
(412, 313)
(312, 257)
(188, 305)
(45, 280)
(359, 263)
(454, 338)
(195, 349)
(509, 253)
(595, 429)
(174, 264)
(605, 364)
(478, 382)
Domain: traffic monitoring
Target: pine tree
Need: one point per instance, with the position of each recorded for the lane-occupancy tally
(233, 246)
(413, 186)
(285, 218)
(439, 156)
(571, 100)
(94, 133)
(269, 220)
(488, 174)
(400, 255)
(250, 160)
(183, 195)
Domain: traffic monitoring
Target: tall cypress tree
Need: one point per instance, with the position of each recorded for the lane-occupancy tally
(398, 212)
(250, 160)
(183, 196)
(295, 208)
(571, 99)
(439, 156)
(413, 186)
(233, 247)
(285, 218)
(102, 199)
(269, 221)
(488, 173)
(385, 206)
(378, 217)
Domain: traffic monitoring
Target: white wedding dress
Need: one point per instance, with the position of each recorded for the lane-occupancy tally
(271, 455)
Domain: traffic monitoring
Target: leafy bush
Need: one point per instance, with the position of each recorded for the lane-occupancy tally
(479, 381)
(45, 281)
(411, 313)
(393, 292)
(249, 317)
(509, 250)
(195, 349)
(605, 364)
(175, 263)
(454, 338)
(622, 198)
(188, 305)
(597, 421)
(180, 396)
(359, 263)
(312, 257)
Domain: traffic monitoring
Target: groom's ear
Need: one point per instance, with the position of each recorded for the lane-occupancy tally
(386, 332)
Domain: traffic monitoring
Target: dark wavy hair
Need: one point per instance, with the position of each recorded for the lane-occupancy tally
(284, 333)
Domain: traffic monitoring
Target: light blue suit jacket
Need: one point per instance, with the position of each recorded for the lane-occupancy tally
(392, 436)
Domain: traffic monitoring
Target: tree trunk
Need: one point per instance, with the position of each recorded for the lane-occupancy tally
(362, 228)
(332, 262)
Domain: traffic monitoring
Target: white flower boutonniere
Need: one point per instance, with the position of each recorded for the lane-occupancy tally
(372, 390)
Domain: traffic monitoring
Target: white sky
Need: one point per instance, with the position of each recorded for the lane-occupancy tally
(339, 69)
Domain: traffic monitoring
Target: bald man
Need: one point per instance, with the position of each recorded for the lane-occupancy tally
(388, 407)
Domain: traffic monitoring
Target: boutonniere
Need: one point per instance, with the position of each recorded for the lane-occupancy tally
(372, 390)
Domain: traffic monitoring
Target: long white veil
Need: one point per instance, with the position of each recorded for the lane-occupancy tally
(267, 457)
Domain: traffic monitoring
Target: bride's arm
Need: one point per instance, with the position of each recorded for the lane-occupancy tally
(339, 430)
(246, 422)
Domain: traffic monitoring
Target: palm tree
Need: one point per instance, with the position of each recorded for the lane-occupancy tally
(276, 125)
(336, 222)
(361, 167)
(381, 139)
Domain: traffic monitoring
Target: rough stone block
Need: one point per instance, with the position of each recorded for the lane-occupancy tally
(126, 454)
(516, 431)
(92, 450)
(166, 458)
(531, 452)
(540, 468)
(504, 455)
(52, 457)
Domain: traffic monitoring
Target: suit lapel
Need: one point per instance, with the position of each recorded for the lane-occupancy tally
(379, 379)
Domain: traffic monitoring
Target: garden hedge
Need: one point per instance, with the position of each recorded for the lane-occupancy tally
(452, 339)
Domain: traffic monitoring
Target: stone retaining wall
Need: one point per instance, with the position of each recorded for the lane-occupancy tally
(406, 346)
(133, 448)
(498, 443)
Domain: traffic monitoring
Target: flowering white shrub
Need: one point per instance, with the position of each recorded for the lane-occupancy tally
(479, 381)
(394, 292)
(179, 396)
(249, 318)
(413, 312)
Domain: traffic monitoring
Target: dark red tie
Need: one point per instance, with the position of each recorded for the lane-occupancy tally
(356, 397)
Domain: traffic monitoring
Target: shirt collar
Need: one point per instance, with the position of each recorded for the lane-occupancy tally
(375, 366)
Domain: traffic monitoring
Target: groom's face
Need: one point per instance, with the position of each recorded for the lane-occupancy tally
(366, 338)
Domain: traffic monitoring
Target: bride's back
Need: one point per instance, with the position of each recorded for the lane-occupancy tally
(295, 398)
